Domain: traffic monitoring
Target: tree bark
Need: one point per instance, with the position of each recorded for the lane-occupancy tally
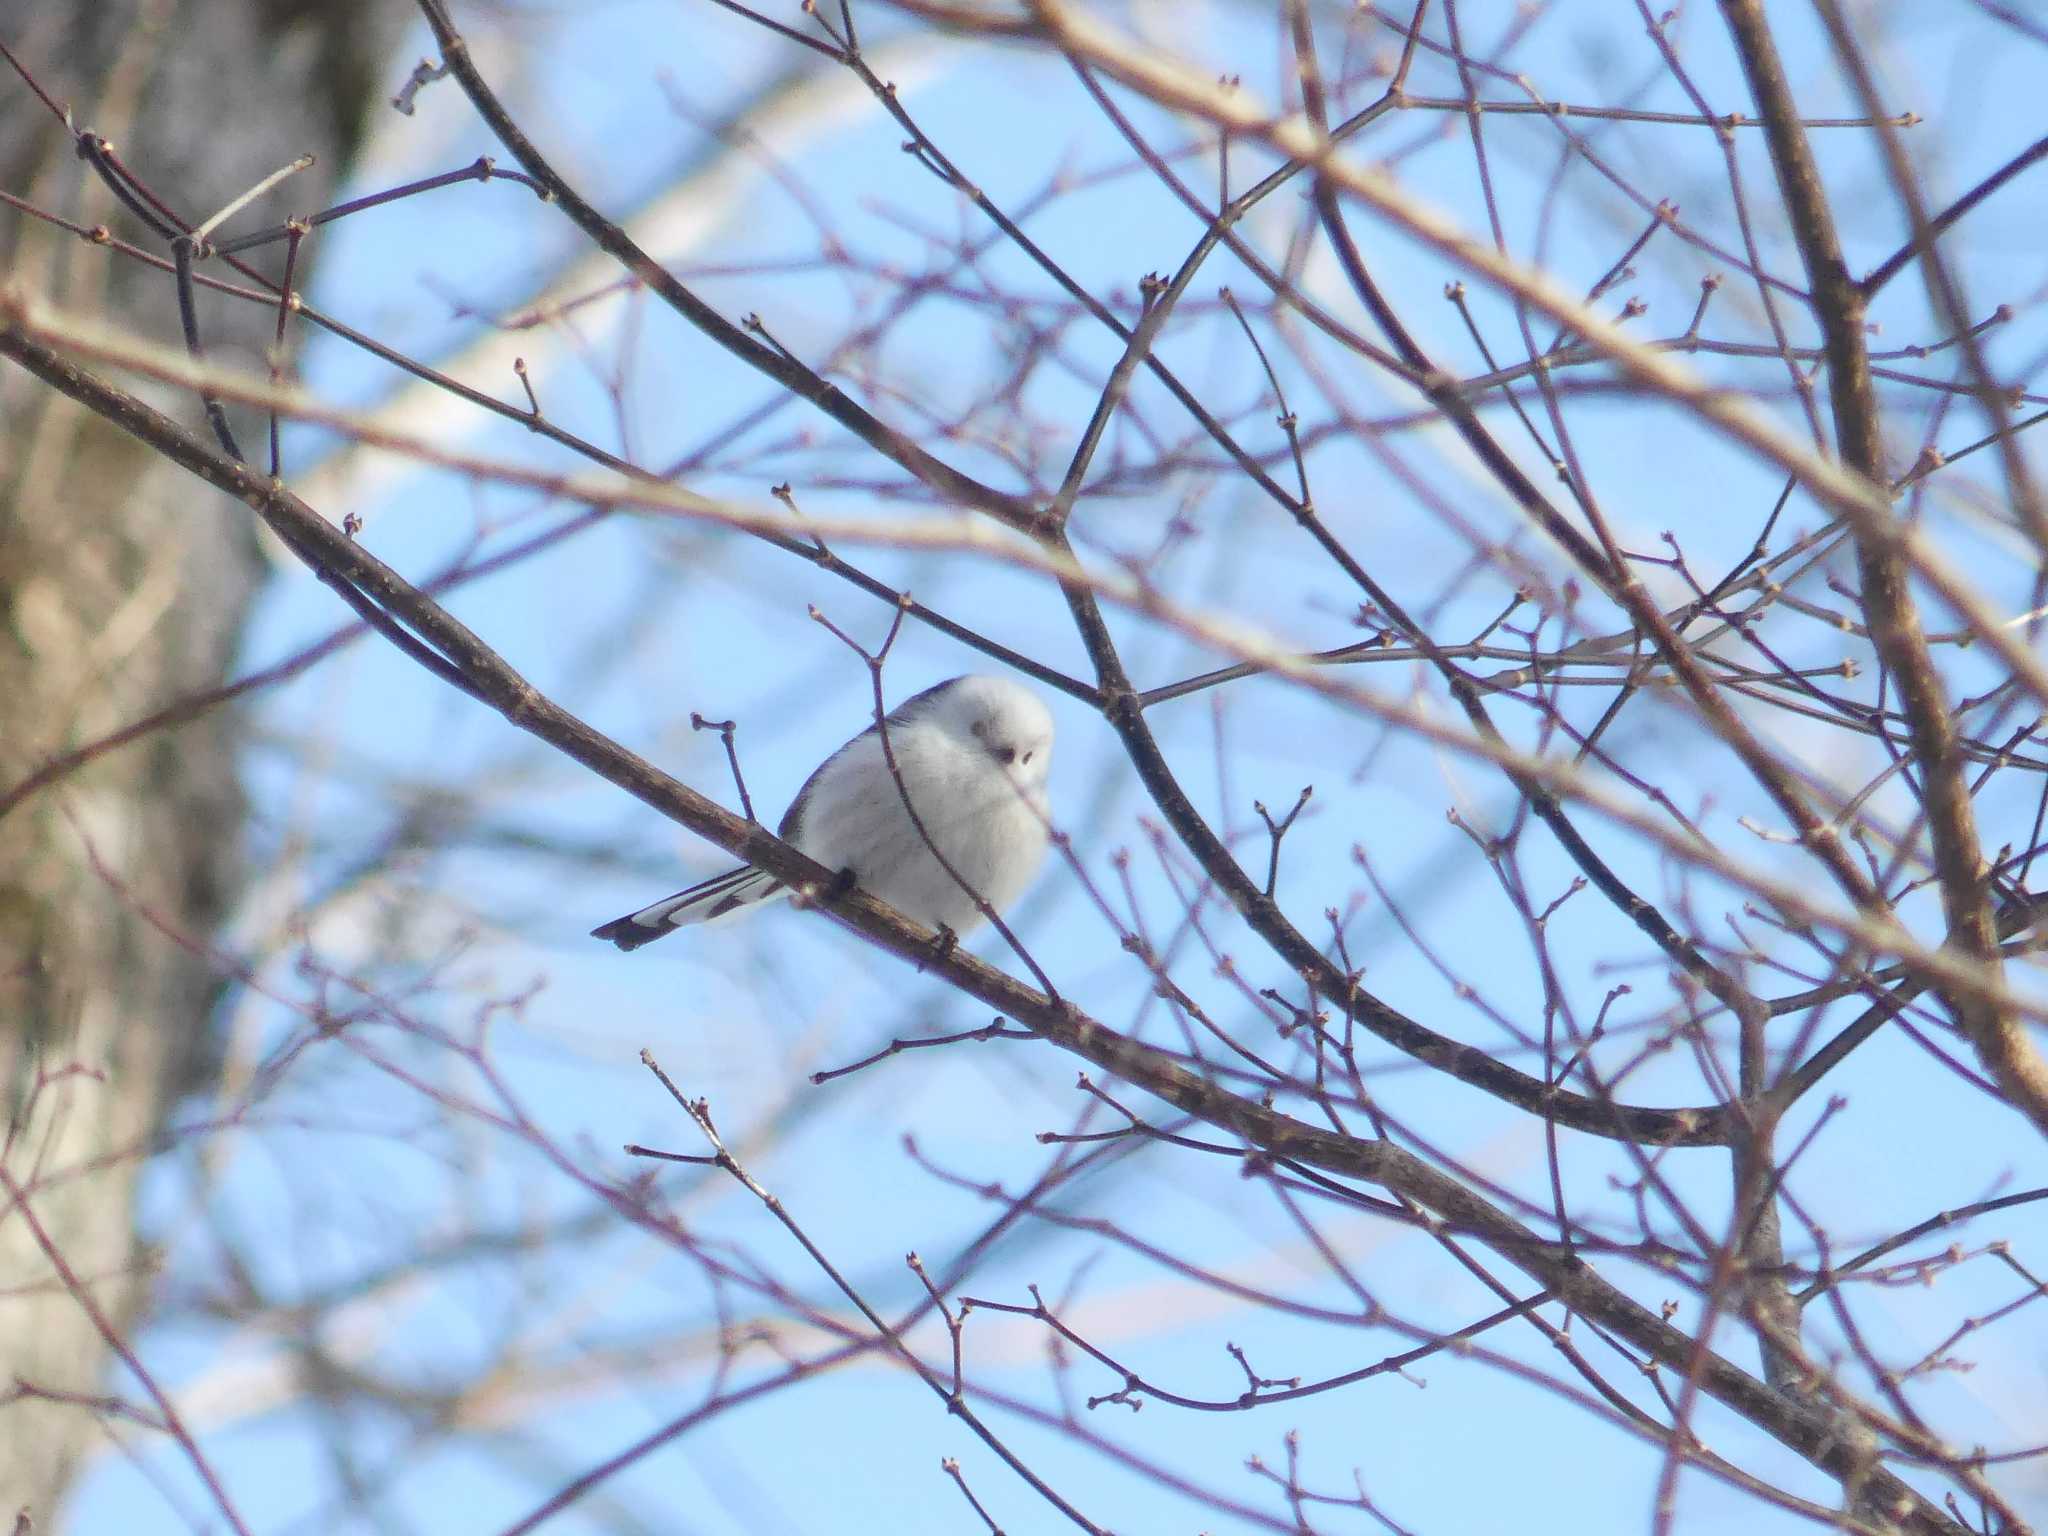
(120, 591)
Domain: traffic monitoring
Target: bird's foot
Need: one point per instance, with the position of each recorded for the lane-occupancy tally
(941, 949)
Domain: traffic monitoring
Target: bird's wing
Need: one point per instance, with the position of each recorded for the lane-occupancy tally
(911, 709)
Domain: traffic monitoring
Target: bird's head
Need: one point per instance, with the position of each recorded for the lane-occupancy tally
(1005, 719)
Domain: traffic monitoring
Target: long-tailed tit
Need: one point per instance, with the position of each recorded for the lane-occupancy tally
(971, 756)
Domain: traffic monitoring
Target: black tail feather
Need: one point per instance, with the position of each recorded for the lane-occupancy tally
(704, 902)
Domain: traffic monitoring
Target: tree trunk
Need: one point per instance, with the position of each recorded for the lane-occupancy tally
(123, 587)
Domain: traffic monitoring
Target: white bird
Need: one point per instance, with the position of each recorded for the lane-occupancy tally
(971, 755)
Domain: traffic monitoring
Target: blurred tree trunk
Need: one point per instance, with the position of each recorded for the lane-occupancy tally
(122, 588)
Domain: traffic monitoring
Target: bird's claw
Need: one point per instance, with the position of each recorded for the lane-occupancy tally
(942, 947)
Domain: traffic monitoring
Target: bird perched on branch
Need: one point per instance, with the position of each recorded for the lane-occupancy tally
(936, 810)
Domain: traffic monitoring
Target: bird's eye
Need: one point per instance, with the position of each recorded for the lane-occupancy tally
(1027, 757)
(1006, 754)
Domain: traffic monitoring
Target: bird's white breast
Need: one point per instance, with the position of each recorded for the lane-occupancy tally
(983, 824)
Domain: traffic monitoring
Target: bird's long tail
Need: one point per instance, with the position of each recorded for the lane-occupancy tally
(720, 896)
